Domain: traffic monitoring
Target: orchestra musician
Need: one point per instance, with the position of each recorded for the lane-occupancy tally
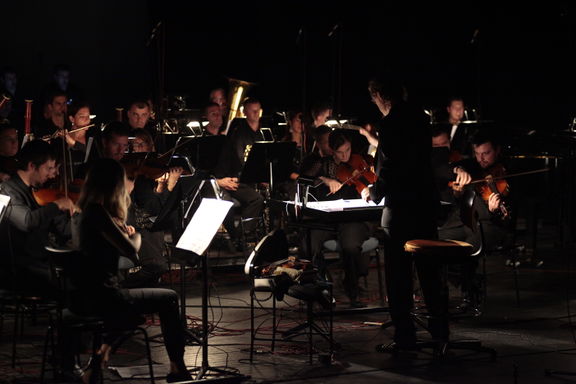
(148, 198)
(218, 96)
(459, 133)
(350, 235)
(102, 235)
(213, 114)
(493, 212)
(229, 166)
(405, 182)
(8, 151)
(55, 115)
(26, 226)
(450, 225)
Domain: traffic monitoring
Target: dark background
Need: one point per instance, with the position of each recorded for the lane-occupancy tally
(514, 66)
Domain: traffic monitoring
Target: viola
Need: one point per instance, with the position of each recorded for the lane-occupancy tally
(142, 163)
(356, 172)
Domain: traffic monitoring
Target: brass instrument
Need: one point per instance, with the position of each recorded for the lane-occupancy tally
(237, 94)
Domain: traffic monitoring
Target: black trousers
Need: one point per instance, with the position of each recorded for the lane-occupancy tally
(401, 224)
(350, 236)
(122, 309)
(252, 204)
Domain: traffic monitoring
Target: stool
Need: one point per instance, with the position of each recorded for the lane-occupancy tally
(443, 253)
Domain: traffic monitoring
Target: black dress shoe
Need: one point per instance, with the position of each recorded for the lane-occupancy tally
(173, 377)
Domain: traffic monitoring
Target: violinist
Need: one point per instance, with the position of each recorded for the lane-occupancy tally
(148, 198)
(450, 225)
(26, 226)
(8, 151)
(350, 235)
(492, 208)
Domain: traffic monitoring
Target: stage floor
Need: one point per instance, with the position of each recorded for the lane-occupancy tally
(529, 336)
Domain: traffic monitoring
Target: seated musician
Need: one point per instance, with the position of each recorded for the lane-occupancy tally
(148, 198)
(351, 235)
(458, 133)
(213, 114)
(8, 151)
(55, 117)
(102, 235)
(26, 225)
(450, 225)
(491, 203)
(230, 164)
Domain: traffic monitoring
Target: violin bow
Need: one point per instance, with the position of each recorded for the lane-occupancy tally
(510, 175)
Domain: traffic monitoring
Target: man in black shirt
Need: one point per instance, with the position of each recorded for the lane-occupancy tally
(231, 162)
(405, 181)
(25, 228)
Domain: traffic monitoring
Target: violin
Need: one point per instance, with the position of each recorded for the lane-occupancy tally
(492, 185)
(356, 172)
(143, 163)
(49, 195)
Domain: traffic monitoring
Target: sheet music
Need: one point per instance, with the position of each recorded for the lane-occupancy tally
(204, 224)
(340, 205)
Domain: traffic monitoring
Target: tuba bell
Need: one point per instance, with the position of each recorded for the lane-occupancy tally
(237, 93)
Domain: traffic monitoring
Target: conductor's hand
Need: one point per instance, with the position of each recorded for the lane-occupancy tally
(229, 183)
(65, 204)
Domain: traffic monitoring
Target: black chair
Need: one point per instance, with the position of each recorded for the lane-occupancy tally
(270, 253)
(442, 253)
(63, 320)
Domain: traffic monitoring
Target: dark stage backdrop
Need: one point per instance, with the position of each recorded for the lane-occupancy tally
(515, 66)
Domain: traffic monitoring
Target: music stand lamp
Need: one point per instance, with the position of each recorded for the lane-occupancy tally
(196, 238)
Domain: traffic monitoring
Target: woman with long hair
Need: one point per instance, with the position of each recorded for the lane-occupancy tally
(101, 234)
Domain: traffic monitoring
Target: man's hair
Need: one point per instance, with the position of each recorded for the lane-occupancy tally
(54, 94)
(484, 137)
(211, 104)
(36, 152)
(61, 67)
(319, 107)
(337, 139)
(75, 106)
(6, 126)
(139, 103)
(389, 88)
(7, 69)
(250, 100)
(115, 128)
(453, 98)
(321, 130)
(439, 130)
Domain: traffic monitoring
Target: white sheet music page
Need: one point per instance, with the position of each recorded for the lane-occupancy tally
(340, 205)
(204, 224)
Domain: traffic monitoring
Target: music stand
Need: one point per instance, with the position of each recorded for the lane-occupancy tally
(269, 163)
(204, 151)
(196, 238)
